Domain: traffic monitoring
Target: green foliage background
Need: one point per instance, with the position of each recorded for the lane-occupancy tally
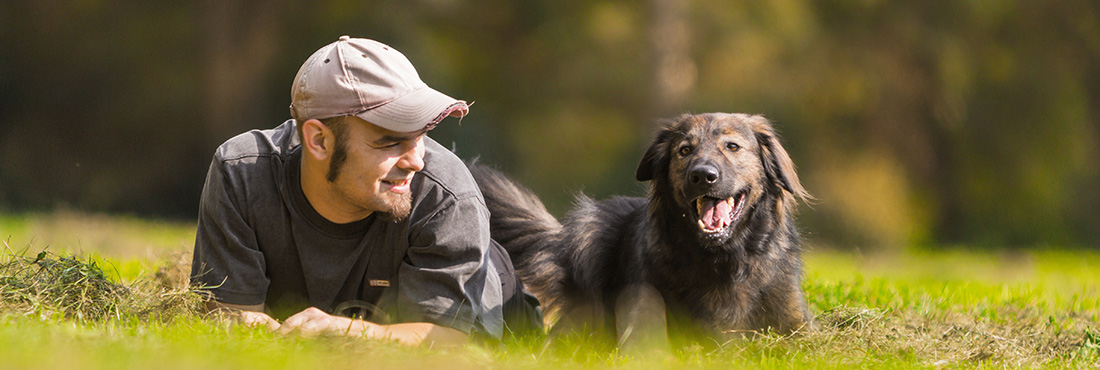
(914, 123)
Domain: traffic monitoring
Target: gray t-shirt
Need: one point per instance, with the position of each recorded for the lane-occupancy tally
(259, 241)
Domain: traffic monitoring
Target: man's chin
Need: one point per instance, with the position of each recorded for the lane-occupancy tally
(396, 207)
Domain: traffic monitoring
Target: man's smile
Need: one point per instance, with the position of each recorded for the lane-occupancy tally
(398, 186)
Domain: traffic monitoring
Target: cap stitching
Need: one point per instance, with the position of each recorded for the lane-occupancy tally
(298, 90)
(352, 80)
(379, 105)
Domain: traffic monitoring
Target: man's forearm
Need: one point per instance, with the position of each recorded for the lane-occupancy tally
(418, 333)
(313, 321)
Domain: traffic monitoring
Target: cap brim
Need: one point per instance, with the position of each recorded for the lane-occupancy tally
(415, 110)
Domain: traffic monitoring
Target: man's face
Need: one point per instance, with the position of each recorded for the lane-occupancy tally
(372, 168)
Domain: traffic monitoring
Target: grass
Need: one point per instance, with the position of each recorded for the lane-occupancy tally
(103, 306)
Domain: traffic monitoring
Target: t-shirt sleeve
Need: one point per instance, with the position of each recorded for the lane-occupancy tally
(227, 260)
(445, 278)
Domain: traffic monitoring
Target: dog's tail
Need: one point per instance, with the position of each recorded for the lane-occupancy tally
(531, 235)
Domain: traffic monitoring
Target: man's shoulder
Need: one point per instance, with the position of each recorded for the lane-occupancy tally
(444, 169)
(276, 141)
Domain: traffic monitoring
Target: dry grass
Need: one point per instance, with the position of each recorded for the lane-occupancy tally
(47, 285)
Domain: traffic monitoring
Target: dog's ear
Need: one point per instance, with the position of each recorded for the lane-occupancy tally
(777, 164)
(655, 158)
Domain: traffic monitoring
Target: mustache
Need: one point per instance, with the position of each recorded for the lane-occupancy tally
(398, 175)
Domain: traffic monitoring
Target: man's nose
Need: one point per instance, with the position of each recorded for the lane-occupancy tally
(413, 158)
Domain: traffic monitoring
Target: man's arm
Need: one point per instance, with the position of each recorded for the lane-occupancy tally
(313, 321)
(445, 277)
(224, 243)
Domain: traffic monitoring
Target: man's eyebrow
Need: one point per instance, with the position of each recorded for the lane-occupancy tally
(386, 139)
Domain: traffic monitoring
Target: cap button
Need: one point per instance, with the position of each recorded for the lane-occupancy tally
(345, 38)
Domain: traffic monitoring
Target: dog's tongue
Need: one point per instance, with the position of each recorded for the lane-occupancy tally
(714, 213)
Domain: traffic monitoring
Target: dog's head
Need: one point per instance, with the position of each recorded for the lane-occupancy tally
(720, 168)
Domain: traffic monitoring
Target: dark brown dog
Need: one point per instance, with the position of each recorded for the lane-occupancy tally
(715, 243)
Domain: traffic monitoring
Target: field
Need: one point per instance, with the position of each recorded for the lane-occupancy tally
(107, 294)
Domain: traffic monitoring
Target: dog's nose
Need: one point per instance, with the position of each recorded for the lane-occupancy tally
(704, 174)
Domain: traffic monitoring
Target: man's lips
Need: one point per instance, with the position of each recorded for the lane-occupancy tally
(398, 186)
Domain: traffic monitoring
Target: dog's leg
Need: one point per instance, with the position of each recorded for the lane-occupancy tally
(785, 310)
(640, 322)
(580, 318)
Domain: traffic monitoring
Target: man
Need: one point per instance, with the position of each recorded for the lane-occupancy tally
(348, 219)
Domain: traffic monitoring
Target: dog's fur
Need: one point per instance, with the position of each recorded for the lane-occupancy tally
(626, 251)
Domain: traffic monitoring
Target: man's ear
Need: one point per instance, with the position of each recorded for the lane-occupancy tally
(317, 139)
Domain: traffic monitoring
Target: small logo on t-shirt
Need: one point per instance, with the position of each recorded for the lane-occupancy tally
(379, 282)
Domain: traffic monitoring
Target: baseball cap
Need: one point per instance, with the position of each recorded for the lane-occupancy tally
(369, 80)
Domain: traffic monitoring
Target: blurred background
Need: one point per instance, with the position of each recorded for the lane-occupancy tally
(930, 123)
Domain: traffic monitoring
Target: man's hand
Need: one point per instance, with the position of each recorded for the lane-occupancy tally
(252, 318)
(249, 315)
(312, 321)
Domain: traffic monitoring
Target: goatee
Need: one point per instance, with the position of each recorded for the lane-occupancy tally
(397, 207)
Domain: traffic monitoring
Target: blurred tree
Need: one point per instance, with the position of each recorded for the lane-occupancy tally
(240, 43)
(912, 122)
(95, 106)
(674, 72)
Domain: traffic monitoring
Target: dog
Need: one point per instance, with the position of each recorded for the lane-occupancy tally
(713, 249)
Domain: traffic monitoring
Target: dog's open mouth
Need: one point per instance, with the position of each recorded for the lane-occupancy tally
(716, 214)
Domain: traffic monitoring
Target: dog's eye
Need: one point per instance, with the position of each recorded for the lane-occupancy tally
(685, 150)
(733, 147)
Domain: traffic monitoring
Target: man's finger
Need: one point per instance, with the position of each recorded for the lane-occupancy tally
(250, 318)
(292, 323)
(287, 327)
(272, 324)
(309, 322)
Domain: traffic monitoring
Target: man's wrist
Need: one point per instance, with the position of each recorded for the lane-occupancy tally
(368, 330)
